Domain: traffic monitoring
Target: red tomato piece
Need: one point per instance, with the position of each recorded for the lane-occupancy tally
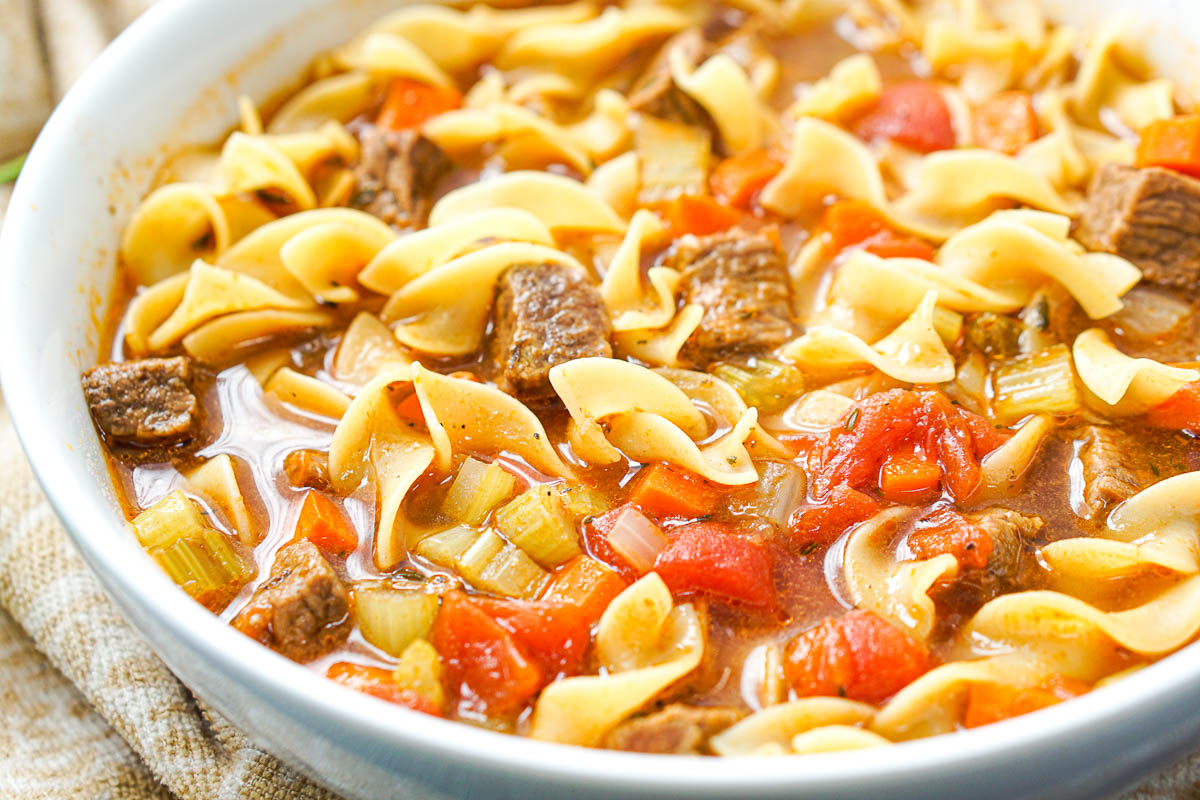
(947, 531)
(825, 521)
(485, 667)
(586, 583)
(708, 558)
(555, 635)
(859, 656)
(913, 114)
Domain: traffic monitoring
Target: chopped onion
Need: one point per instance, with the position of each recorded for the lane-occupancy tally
(783, 487)
(1150, 314)
(636, 539)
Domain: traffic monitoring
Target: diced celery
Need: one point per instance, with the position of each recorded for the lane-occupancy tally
(1039, 384)
(174, 517)
(581, 501)
(392, 617)
(445, 547)
(767, 385)
(205, 565)
(477, 489)
(537, 523)
(496, 566)
(673, 157)
(420, 671)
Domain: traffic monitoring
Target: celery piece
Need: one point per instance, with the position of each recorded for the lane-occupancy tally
(392, 618)
(537, 523)
(581, 501)
(174, 517)
(11, 169)
(767, 385)
(493, 565)
(420, 671)
(205, 565)
(445, 547)
(477, 489)
(1038, 384)
(673, 157)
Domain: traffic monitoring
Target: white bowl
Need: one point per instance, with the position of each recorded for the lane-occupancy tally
(172, 79)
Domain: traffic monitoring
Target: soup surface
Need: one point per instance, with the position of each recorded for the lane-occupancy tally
(682, 378)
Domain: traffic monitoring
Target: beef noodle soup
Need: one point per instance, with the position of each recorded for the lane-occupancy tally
(681, 378)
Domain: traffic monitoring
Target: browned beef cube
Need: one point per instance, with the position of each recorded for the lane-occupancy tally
(1114, 468)
(1150, 216)
(303, 609)
(144, 402)
(677, 729)
(397, 174)
(1010, 531)
(741, 281)
(656, 94)
(545, 314)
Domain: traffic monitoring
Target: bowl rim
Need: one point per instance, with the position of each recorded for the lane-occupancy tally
(111, 554)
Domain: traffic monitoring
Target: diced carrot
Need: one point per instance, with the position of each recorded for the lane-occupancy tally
(410, 103)
(324, 524)
(909, 475)
(1180, 411)
(913, 114)
(1173, 144)
(1006, 122)
(485, 667)
(737, 180)
(855, 223)
(821, 523)
(379, 682)
(698, 214)
(859, 656)
(711, 560)
(409, 409)
(587, 584)
(992, 702)
(665, 490)
(947, 531)
(554, 635)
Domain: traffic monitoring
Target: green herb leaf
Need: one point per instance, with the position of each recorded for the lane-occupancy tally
(9, 170)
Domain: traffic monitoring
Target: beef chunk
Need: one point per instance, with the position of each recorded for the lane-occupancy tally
(303, 609)
(656, 94)
(145, 402)
(1009, 532)
(545, 314)
(677, 729)
(741, 281)
(1150, 216)
(1113, 470)
(397, 174)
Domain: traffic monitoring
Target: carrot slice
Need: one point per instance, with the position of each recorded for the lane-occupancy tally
(379, 682)
(909, 475)
(1173, 144)
(1006, 122)
(854, 223)
(587, 584)
(992, 702)
(699, 215)
(737, 180)
(409, 103)
(665, 490)
(324, 524)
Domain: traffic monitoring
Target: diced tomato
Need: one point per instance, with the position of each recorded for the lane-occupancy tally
(485, 667)
(379, 682)
(855, 223)
(595, 538)
(992, 702)
(908, 474)
(324, 524)
(665, 490)
(947, 531)
(826, 520)
(699, 215)
(883, 423)
(587, 584)
(1172, 144)
(410, 103)
(859, 656)
(737, 181)
(555, 635)
(709, 559)
(1006, 122)
(913, 114)
(1180, 411)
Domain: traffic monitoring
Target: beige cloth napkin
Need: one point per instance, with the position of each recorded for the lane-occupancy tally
(86, 708)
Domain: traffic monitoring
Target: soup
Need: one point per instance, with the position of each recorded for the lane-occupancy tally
(681, 378)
